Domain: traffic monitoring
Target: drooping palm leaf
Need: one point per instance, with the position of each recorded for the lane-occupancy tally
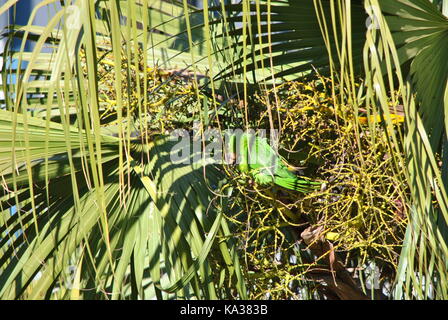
(413, 35)
(81, 195)
(420, 33)
(168, 224)
(286, 39)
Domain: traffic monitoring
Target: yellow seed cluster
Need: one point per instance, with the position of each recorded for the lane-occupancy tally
(163, 100)
(362, 205)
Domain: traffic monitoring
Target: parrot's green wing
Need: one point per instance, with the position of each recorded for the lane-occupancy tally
(259, 159)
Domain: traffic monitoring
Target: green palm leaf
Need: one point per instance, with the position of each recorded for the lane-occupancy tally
(85, 217)
(420, 33)
(286, 39)
(413, 35)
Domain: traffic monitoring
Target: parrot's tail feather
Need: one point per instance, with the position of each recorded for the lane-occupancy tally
(298, 185)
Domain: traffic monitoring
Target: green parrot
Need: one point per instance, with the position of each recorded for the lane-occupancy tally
(255, 157)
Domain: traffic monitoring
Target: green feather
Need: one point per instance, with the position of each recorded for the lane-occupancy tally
(257, 158)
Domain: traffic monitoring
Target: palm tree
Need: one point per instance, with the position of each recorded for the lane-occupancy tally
(85, 203)
(395, 46)
(92, 199)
